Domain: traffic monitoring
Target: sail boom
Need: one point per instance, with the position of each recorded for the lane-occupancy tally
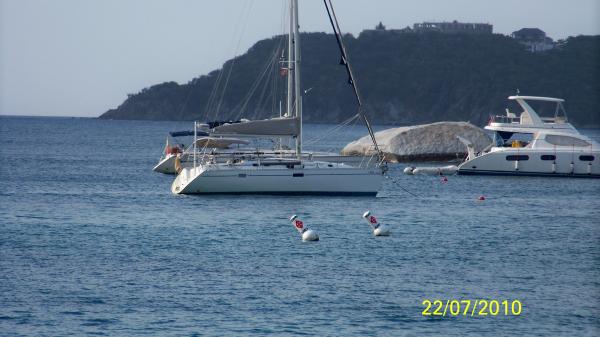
(264, 127)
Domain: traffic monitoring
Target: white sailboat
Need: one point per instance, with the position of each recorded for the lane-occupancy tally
(282, 175)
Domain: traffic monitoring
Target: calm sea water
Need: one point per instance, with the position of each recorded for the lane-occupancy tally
(92, 242)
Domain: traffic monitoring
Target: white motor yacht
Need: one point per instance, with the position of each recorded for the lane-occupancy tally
(530, 145)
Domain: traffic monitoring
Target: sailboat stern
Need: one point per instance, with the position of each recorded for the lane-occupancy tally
(185, 181)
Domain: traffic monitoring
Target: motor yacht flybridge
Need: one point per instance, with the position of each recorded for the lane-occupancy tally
(527, 144)
(283, 175)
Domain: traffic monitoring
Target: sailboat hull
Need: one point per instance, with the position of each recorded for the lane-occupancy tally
(221, 179)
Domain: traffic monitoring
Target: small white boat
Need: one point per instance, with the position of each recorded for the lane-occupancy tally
(431, 170)
(174, 152)
(220, 149)
(529, 145)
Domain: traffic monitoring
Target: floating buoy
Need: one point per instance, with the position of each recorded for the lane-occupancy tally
(481, 198)
(409, 170)
(378, 229)
(307, 234)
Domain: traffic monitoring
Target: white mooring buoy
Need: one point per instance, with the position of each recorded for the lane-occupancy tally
(307, 234)
(409, 170)
(378, 229)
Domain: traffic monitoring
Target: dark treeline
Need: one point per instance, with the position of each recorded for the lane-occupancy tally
(404, 78)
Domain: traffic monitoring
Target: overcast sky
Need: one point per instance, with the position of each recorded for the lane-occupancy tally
(82, 57)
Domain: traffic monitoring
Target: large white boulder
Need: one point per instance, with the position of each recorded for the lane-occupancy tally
(436, 141)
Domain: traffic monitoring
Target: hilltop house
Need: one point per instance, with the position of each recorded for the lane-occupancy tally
(380, 29)
(454, 27)
(442, 27)
(534, 39)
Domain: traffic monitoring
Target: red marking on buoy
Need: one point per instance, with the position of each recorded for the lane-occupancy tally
(373, 220)
(299, 224)
(481, 198)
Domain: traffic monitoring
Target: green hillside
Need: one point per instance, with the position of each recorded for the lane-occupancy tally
(405, 78)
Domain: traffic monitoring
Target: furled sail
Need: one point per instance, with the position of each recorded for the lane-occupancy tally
(268, 127)
(220, 143)
(176, 134)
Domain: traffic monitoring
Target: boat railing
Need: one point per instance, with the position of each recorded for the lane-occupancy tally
(556, 120)
(506, 119)
(368, 160)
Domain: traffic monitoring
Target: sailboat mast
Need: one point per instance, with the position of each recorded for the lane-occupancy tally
(297, 87)
(289, 64)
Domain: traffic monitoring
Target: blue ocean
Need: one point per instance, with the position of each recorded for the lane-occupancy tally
(92, 242)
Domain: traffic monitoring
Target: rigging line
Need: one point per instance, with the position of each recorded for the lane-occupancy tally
(345, 61)
(332, 130)
(187, 97)
(401, 187)
(237, 48)
(262, 101)
(348, 131)
(255, 85)
(341, 133)
(213, 95)
(263, 90)
(276, 74)
(276, 77)
(274, 87)
(244, 101)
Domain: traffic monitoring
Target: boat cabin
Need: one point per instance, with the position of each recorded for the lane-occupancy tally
(540, 139)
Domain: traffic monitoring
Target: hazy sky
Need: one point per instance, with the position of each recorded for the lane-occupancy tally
(82, 57)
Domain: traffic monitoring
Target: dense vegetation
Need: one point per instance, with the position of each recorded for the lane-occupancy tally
(405, 79)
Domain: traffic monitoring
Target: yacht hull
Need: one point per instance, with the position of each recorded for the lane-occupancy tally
(537, 163)
(313, 181)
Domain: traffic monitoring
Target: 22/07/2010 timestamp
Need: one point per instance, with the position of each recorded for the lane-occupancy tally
(472, 308)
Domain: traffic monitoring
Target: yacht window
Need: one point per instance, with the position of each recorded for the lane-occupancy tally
(566, 141)
(517, 157)
(586, 158)
(511, 139)
(548, 157)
